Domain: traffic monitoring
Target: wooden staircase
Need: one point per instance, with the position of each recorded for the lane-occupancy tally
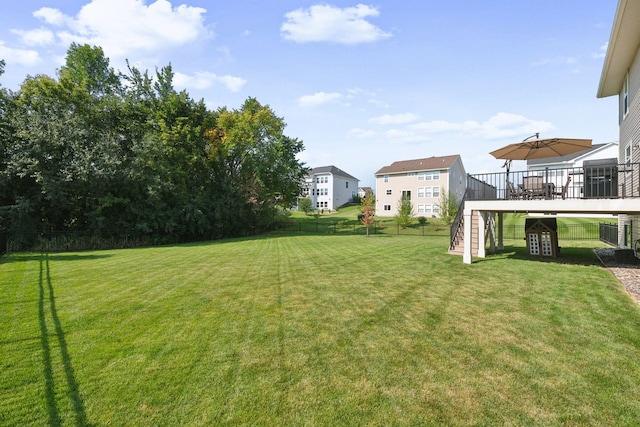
(456, 246)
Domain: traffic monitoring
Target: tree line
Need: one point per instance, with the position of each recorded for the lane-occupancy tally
(114, 154)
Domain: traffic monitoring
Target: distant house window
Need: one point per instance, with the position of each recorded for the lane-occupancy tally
(387, 207)
(429, 176)
(389, 192)
(347, 183)
(428, 192)
(386, 178)
(627, 154)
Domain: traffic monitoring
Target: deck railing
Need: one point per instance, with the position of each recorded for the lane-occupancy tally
(600, 181)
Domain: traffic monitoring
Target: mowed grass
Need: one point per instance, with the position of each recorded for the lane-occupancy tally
(315, 330)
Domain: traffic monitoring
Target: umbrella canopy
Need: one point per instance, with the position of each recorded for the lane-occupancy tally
(541, 148)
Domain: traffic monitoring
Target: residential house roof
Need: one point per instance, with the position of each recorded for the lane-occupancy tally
(568, 157)
(333, 171)
(622, 48)
(416, 165)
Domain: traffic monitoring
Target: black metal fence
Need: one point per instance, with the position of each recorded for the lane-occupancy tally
(30, 240)
(590, 231)
(4, 234)
(608, 233)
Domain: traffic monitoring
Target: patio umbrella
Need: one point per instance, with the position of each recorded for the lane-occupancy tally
(541, 148)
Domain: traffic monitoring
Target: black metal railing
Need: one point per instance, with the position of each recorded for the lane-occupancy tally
(609, 233)
(596, 180)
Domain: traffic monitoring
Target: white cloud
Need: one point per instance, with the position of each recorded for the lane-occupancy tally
(37, 37)
(51, 16)
(602, 52)
(362, 133)
(318, 98)
(394, 119)
(123, 26)
(502, 125)
(324, 23)
(19, 56)
(205, 80)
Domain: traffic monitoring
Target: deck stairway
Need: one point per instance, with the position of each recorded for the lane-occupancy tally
(457, 233)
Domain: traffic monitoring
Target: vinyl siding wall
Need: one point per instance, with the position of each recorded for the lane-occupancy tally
(630, 136)
(388, 194)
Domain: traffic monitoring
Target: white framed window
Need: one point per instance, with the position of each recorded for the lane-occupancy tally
(428, 192)
(387, 207)
(429, 176)
(389, 192)
(386, 178)
(627, 153)
(625, 95)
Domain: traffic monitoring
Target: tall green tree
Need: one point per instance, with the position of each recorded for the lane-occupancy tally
(251, 150)
(405, 215)
(448, 205)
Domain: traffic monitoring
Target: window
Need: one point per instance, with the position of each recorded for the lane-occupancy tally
(411, 174)
(347, 183)
(429, 176)
(627, 154)
(389, 192)
(625, 95)
(387, 207)
(406, 194)
(428, 192)
(386, 178)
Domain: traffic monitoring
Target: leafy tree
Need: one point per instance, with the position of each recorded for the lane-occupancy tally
(111, 154)
(305, 205)
(368, 210)
(404, 217)
(251, 150)
(448, 206)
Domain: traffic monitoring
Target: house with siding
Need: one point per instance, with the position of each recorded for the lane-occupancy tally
(422, 181)
(329, 187)
(611, 187)
(621, 77)
(555, 170)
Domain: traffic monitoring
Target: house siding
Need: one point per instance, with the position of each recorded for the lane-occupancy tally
(389, 194)
(329, 190)
(630, 136)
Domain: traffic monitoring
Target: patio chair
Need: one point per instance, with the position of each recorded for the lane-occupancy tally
(513, 192)
(534, 186)
(564, 190)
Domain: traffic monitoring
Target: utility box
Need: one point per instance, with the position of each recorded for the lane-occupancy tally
(600, 178)
(542, 237)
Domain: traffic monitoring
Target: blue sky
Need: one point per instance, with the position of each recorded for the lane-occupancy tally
(362, 84)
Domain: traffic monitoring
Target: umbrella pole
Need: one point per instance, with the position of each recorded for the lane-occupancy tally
(507, 165)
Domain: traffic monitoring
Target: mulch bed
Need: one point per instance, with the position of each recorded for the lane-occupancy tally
(626, 269)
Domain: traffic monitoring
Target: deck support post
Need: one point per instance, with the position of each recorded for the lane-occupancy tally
(467, 258)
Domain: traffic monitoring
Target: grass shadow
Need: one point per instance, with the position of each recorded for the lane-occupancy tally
(20, 257)
(567, 255)
(46, 292)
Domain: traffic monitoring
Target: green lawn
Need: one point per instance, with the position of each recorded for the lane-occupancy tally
(315, 330)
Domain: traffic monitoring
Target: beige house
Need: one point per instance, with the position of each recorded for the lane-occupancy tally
(621, 77)
(423, 181)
